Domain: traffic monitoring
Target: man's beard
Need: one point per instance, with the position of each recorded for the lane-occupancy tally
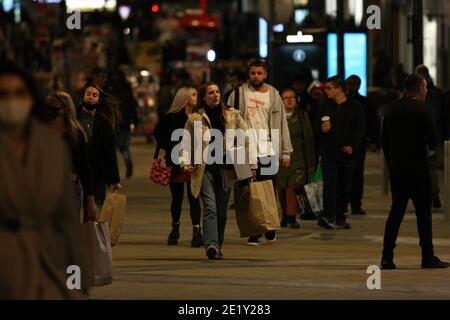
(257, 84)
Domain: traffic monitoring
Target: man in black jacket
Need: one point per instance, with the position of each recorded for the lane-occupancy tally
(339, 127)
(408, 134)
(353, 84)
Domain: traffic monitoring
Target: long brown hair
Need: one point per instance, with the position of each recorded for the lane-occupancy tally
(70, 118)
(108, 106)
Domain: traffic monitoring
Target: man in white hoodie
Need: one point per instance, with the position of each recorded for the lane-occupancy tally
(262, 109)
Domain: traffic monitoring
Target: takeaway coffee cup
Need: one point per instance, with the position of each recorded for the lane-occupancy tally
(326, 120)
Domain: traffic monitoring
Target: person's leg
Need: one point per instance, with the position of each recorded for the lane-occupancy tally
(357, 183)
(432, 168)
(176, 190)
(292, 206)
(343, 192)
(208, 197)
(222, 198)
(78, 196)
(283, 204)
(421, 198)
(400, 196)
(195, 211)
(330, 177)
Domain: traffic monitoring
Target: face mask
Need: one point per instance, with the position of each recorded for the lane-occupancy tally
(14, 111)
(89, 107)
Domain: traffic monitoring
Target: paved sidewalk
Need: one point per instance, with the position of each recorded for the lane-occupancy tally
(307, 263)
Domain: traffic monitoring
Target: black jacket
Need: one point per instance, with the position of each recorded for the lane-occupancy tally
(102, 150)
(347, 127)
(79, 156)
(163, 131)
(408, 129)
(370, 129)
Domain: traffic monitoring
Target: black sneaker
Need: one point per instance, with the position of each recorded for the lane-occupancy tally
(342, 224)
(254, 241)
(434, 263)
(324, 223)
(271, 236)
(219, 255)
(212, 252)
(129, 172)
(388, 264)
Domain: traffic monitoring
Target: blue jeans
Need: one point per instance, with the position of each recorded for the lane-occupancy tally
(337, 175)
(215, 206)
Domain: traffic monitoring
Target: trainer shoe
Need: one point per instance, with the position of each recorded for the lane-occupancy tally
(387, 264)
(270, 236)
(211, 252)
(324, 223)
(254, 241)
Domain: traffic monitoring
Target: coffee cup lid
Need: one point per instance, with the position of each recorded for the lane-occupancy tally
(325, 118)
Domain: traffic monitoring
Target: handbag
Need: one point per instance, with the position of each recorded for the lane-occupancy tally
(159, 174)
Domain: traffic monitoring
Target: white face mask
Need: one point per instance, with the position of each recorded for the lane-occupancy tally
(14, 111)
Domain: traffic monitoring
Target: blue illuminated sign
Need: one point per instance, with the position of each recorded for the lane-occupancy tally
(355, 57)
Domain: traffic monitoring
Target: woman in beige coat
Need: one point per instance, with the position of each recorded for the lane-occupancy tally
(39, 228)
(209, 177)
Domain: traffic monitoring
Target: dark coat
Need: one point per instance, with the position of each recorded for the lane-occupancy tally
(408, 132)
(347, 127)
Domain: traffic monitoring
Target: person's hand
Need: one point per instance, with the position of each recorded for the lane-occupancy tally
(325, 127)
(285, 163)
(116, 187)
(311, 170)
(347, 149)
(91, 209)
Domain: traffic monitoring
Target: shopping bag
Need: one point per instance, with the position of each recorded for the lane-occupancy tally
(256, 208)
(314, 191)
(112, 212)
(99, 253)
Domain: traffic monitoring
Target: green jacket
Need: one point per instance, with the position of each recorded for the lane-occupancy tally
(302, 157)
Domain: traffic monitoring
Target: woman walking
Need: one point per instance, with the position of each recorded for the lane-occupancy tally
(182, 106)
(208, 179)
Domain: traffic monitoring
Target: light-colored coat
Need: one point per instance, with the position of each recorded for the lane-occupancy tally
(40, 234)
(233, 120)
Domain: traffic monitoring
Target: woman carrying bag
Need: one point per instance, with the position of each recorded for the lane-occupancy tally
(182, 106)
(208, 179)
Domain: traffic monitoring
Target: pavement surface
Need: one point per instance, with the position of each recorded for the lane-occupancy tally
(306, 263)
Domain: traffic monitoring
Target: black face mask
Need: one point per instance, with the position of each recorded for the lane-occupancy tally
(53, 113)
(89, 107)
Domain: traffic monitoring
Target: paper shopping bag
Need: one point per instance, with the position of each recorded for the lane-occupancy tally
(112, 211)
(256, 208)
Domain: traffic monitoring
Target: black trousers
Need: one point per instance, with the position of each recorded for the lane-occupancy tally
(177, 190)
(357, 185)
(418, 189)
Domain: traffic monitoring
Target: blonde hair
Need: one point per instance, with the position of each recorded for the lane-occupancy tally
(181, 100)
(70, 117)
